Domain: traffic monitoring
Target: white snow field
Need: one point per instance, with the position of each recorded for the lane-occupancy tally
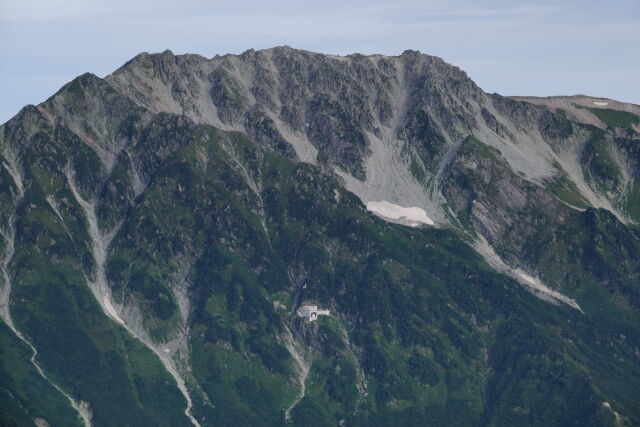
(413, 216)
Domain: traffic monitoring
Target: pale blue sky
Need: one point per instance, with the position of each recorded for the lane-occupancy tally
(534, 47)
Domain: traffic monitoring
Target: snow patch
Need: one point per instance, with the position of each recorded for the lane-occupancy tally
(413, 216)
(600, 103)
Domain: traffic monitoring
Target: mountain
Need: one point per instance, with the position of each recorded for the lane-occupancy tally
(163, 226)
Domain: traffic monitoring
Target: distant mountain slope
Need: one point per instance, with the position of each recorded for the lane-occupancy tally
(161, 226)
(600, 112)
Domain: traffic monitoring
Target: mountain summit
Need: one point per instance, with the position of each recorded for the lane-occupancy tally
(476, 257)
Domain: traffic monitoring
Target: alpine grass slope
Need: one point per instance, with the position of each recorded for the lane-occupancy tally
(161, 226)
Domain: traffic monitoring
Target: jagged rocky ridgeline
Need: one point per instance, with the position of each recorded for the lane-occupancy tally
(162, 228)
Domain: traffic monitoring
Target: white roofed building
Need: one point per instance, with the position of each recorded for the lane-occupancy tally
(311, 312)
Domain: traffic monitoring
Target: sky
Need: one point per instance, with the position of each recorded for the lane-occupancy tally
(532, 47)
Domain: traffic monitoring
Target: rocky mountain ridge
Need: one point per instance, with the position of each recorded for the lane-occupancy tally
(170, 218)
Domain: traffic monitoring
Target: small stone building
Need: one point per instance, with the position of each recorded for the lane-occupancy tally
(311, 312)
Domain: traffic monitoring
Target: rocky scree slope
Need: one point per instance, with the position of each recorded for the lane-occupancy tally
(162, 225)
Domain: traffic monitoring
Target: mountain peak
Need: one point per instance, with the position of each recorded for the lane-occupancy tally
(477, 255)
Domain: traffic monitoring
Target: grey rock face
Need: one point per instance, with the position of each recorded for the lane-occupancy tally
(392, 127)
(332, 100)
(139, 174)
(339, 104)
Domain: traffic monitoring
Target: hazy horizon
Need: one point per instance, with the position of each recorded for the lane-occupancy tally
(512, 48)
